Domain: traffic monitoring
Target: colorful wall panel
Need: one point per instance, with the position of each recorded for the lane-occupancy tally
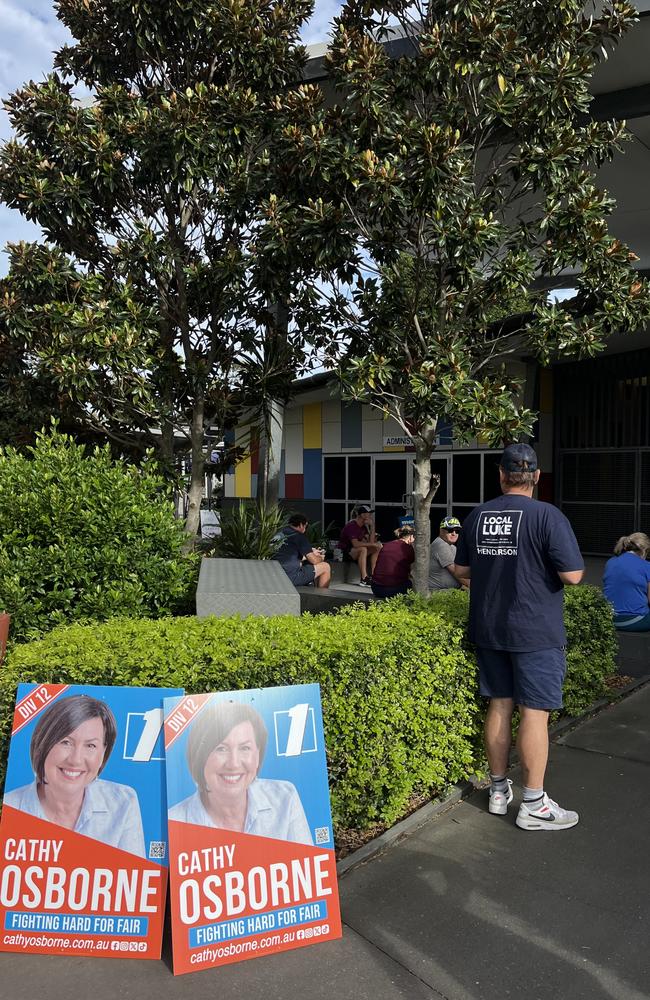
(313, 473)
(311, 425)
(351, 426)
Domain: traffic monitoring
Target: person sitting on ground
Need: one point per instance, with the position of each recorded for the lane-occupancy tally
(392, 572)
(626, 582)
(442, 557)
(302, 563)
(359, 542)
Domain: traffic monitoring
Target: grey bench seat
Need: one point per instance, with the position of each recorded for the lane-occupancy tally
(245, 587)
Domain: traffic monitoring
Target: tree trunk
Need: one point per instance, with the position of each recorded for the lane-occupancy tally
(268, 481)
(167, 396)
(197, 474)
(425, 487)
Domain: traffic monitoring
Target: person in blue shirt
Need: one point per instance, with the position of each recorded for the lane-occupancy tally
(519, 554)
(69, 748)
(626, 583)
(225, 751)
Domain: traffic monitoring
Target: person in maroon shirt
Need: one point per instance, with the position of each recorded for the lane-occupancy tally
(392, 572)
(359, 542)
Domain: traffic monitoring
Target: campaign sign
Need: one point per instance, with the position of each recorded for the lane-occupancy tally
(83, 838)
(252, 866)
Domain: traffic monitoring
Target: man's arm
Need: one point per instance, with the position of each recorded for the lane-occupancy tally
(571, 577)
(315, 557)
(461, 572)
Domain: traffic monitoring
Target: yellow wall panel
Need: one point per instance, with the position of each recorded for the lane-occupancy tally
(243, 478)
(311, 425)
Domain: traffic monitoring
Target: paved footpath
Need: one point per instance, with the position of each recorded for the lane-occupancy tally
(467, 907)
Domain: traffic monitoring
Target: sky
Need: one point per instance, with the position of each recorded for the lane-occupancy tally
(29, 34)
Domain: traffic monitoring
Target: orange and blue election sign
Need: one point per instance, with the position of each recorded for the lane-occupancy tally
(83, 837)
(252, 865)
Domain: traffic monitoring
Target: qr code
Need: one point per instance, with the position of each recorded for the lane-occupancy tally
(157, 849)
(322, 834)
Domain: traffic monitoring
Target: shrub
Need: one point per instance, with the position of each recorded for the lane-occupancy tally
(591, 638)
(250, 531)
(399, 692)
(399, 682)
(85, 537)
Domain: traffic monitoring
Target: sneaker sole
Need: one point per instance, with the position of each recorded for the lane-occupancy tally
(540, 824)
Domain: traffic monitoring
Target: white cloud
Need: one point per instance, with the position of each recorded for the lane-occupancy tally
(319, 26)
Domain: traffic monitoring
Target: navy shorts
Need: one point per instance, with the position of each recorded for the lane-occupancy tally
(531, 679)
(303, 576)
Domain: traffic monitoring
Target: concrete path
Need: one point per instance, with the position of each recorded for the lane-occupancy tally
(468, 907)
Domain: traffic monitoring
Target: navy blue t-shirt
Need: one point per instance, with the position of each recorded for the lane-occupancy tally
(295, 546)
(515, 547)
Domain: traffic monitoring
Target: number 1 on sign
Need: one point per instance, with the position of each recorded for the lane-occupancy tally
(153, 720)
(298, 715)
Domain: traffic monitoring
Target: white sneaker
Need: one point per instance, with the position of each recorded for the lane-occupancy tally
(547, 816)
(499, 801)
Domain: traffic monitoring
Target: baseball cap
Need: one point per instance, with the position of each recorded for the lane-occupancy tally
(364, 509)
(519, 458)
(450, 523)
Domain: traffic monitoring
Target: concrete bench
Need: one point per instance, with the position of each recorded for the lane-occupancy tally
(245, 587)
(345, 571)
(320, 601)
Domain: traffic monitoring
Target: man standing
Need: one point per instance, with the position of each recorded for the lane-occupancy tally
(520, 553)
(359, 542)
(442, 556)
(302, 563)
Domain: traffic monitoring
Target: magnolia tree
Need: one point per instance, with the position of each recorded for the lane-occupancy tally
(153, 300)
(463, 157)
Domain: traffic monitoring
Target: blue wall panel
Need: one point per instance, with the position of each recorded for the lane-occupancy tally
(312, 467)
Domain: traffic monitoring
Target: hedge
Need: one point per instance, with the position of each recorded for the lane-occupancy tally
(398, 682)
(85, 537)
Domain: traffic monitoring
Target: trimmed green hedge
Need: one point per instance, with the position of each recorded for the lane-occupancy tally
(591, 638)
(85, 537)
(398, 682)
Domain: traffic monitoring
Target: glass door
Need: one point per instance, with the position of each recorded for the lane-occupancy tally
(392, 486)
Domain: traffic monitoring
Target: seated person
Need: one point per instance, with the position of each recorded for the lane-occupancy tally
(392, 572)
(626, 583)
(302, 563)
(359, 542)
(442, 557)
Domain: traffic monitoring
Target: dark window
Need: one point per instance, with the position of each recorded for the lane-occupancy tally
(386, 520)
(491, 485)
(334, 486)
(359, 477)
(467, 479)
(390, 480)
(462, 512)
(334, 512)
(439, 468)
